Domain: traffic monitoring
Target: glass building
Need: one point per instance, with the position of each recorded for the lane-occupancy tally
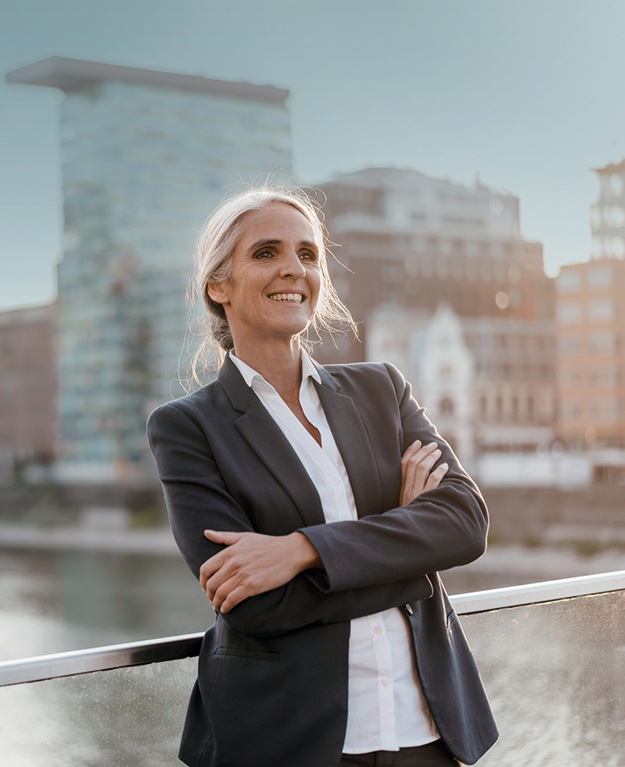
(146, 155)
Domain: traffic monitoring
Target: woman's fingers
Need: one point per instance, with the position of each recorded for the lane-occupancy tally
(216, 562)
(416, 453)
(251, 564)
(417, 464)
(210, 569)
(436, 476)
(225, 602)
(226, 537)
(411, 450)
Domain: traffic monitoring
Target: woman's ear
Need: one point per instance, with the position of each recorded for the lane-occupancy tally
(217, 291)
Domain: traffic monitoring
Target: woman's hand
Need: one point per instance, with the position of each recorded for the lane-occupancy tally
(416, 471)
(253, 563)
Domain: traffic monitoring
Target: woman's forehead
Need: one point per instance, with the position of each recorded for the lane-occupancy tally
(279, 221)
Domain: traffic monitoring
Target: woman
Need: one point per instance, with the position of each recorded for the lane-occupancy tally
(334, 644)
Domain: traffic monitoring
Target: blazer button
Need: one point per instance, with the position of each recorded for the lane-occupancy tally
(409, 610)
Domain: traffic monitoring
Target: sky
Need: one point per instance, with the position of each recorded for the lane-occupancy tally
(526, 94)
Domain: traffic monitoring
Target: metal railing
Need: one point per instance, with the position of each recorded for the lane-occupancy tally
(94, 659)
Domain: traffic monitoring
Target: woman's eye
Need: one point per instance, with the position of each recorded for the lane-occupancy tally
(308, 256)
(263, 254)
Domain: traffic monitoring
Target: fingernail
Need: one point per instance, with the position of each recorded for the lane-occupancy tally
(432, 444)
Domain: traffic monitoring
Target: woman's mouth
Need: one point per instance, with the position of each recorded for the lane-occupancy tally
(294, 298)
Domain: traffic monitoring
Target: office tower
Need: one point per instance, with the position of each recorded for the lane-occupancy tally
(146, 155)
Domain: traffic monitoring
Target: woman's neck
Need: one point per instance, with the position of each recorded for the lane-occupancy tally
(281, 366)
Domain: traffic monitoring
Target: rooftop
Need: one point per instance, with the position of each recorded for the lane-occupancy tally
(611, 167)
(76, 74)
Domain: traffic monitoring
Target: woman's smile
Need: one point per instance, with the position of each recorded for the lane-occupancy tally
(293, 298)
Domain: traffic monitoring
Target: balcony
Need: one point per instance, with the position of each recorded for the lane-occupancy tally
(552, 656)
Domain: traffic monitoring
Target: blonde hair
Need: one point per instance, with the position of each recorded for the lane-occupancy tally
(213, 263)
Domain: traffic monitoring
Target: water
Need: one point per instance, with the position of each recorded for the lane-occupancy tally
(68, 600)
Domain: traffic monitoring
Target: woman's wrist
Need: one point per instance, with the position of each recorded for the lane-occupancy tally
(306, 554)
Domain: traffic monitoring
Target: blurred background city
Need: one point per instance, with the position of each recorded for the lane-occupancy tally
(425, 128)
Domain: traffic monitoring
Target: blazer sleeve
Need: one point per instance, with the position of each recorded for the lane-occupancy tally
(197, 499)
(439, 529)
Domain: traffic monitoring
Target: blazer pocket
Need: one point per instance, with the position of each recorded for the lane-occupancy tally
(238, 652)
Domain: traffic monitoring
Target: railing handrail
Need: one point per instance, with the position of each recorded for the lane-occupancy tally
(44, 667)
(538, 593)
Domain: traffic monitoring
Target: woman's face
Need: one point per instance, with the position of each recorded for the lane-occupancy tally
(274, 286)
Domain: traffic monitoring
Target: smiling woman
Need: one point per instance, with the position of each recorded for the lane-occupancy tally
(333, 643)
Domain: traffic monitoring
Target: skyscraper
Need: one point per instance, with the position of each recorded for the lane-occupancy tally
(146, 155)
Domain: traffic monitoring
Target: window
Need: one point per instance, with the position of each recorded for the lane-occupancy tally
(568, 282)
(569, 345)
(391, 272)
(601, 311)
(600, 277)
(605, 377)
(616, 184)
(446, 406)
(569, 314)
(602, 342)
(483, 404)
(603, 409)
(570, 410)
(568, 375)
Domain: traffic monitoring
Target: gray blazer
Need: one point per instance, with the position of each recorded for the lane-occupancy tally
(273, 673)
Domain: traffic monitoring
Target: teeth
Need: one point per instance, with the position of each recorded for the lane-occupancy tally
(293, 297)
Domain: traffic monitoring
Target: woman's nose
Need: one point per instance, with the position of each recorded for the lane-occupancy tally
(292, 266)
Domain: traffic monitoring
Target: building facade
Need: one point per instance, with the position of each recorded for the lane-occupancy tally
(591, 353)
(487, 382)
(445, 286)
(413, 241)
(27, 387)
(146, 155)
(590, 316)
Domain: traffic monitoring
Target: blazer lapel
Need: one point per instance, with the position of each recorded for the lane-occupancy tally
(353, 442)
(265, 437)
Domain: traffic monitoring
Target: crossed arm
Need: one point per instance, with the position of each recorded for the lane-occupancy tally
(253, 563)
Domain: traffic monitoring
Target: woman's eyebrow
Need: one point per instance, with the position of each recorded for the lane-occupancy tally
(265, 243)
